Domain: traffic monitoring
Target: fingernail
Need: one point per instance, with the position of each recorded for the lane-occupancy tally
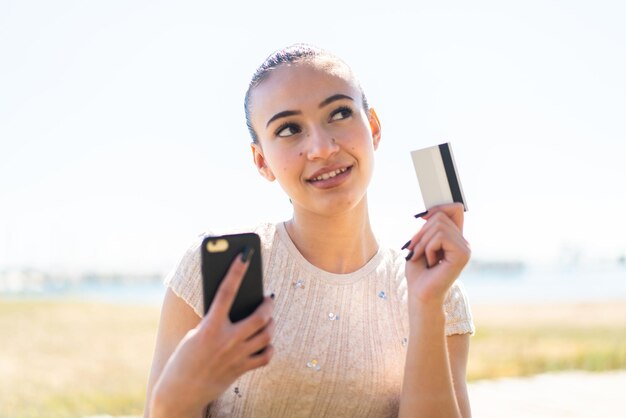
(247, 254)
(404, 247)
(419, 215)
(408, 256)
(272, 296)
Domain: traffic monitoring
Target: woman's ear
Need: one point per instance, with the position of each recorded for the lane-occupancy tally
(260, 162)
(374, 126)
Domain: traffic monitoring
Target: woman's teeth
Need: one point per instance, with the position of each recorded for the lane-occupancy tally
(330, 174)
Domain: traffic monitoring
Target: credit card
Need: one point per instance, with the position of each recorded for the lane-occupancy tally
(438, 176)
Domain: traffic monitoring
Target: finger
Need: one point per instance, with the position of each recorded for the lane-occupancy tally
(260, 340)
(447, 232)
(444, 223)
(429, 248)
(258, 320)
(432, 250)
(259, 360)
(227, 290)
(455, 212)
(420, 249)
(433, 223)
(449, 242)
(446, 248)
(426, 233)
(419, 262)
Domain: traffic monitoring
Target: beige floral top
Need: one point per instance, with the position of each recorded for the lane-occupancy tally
(340, 340)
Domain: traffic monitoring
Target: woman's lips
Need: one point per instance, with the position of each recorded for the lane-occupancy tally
(330, 178)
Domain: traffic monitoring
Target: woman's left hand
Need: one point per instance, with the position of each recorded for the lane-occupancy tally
(438, 254)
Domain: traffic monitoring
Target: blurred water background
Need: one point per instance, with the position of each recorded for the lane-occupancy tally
(485, 283)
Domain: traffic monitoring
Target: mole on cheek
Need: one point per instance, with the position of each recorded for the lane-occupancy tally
(300, 154)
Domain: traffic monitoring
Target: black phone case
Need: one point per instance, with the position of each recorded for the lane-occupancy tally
(216, 264)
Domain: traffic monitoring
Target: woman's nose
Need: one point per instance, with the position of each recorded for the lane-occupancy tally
(321, 144)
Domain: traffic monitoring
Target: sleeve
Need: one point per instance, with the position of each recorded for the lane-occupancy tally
(457, 310)
(185, 279)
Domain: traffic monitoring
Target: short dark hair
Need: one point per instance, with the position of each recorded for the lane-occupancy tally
(289, 55)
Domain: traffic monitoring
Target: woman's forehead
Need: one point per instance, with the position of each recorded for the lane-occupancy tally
(292, 86)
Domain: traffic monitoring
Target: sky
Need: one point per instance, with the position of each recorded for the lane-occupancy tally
(122, 134)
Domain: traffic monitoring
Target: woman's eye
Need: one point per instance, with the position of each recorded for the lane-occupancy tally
(288, 130)
(341, 113)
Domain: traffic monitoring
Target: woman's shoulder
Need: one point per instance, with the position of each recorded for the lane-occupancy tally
(265, 230)
(185, 278)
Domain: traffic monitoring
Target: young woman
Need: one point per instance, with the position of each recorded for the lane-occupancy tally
(351, 329)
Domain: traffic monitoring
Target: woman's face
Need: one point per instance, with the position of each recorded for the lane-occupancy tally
(314, 136)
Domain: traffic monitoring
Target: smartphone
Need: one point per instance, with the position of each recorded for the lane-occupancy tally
(218, 252)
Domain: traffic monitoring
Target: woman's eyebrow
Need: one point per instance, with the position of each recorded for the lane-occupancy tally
(283, 114)
(325, 102)
(333, 98)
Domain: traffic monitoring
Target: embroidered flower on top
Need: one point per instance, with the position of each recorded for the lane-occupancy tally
(313, 364)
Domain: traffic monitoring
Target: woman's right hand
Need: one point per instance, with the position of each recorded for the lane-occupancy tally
(215, 353)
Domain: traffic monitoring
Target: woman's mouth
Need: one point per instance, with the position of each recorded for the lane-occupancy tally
(329, 175)
(331, 178)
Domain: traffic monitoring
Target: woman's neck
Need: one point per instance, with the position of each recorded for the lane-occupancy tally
(341, 243)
